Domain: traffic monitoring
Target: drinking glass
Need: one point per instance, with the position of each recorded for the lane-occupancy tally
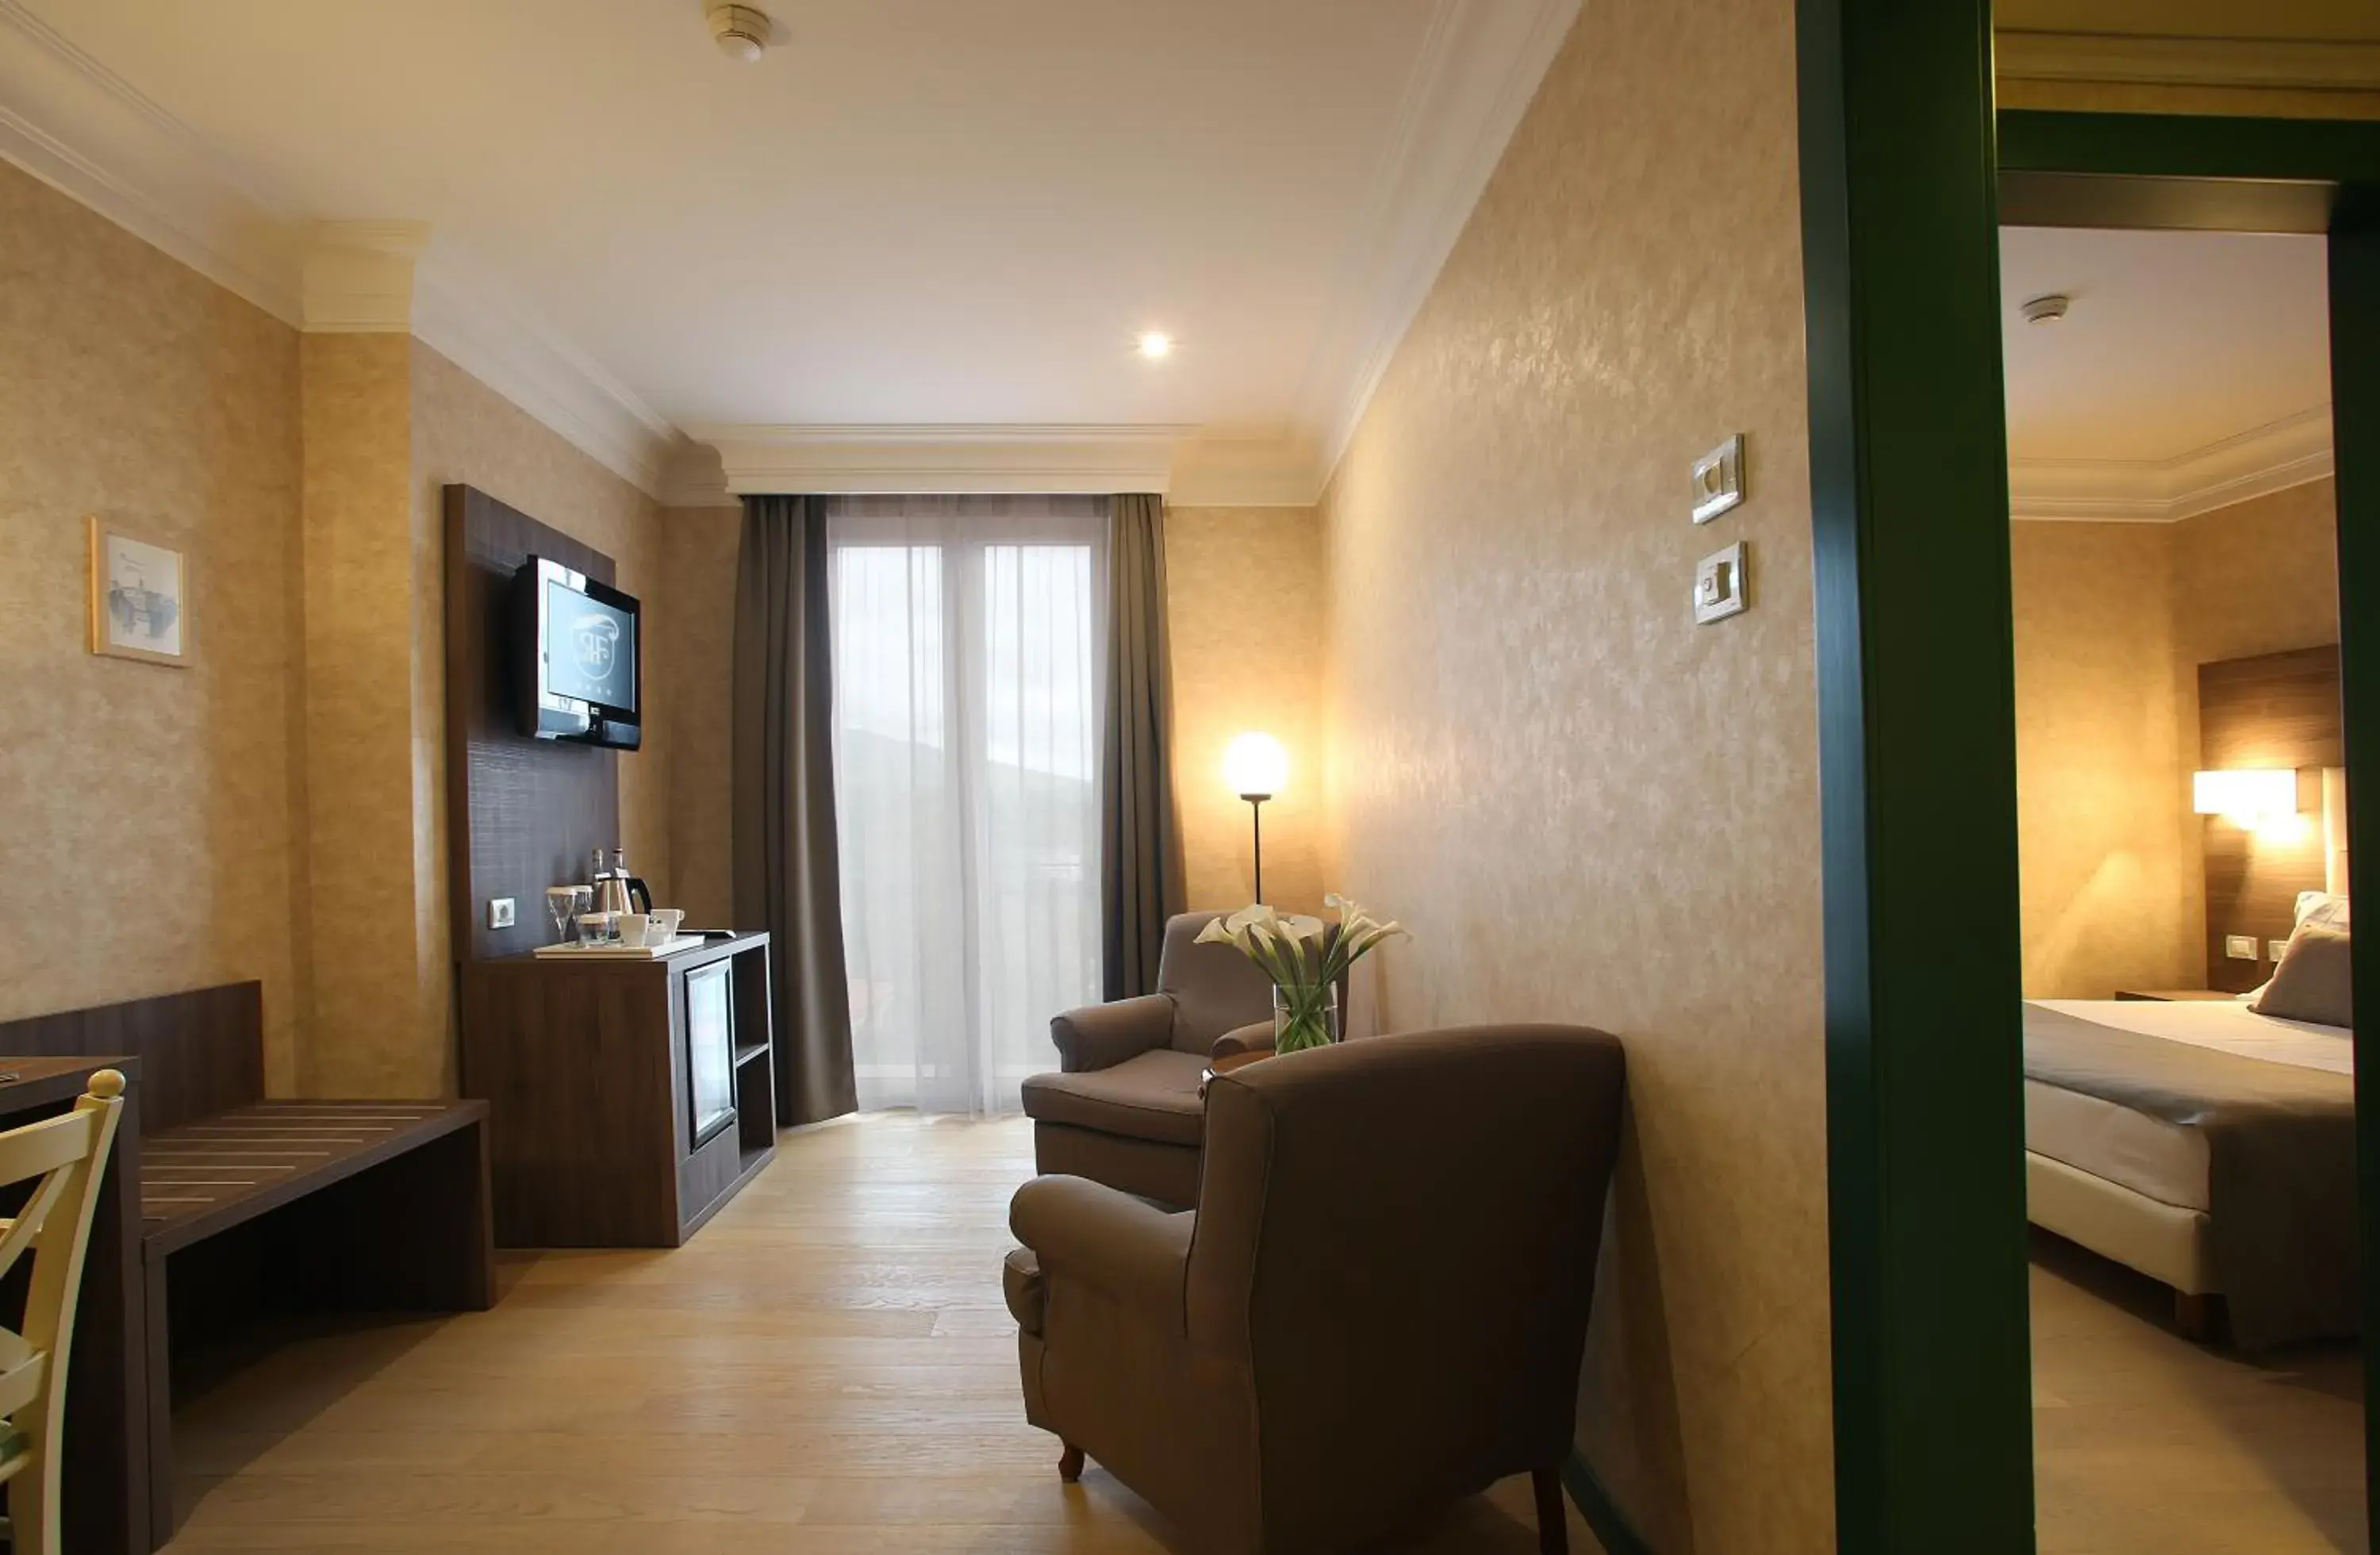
(561, 905)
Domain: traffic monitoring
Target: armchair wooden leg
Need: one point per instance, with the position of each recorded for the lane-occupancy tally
(1070, 1463)
(1553, 1526)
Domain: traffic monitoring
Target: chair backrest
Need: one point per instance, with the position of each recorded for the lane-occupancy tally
(1215, 988)
(61, 1157)
(1398, 1237)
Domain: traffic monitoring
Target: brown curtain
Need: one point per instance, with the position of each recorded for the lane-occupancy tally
(1140, 851)
(786, 878)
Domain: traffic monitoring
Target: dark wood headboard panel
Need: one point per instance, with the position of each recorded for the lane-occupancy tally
(201, 1052)
(522, 814)
(2276, 709)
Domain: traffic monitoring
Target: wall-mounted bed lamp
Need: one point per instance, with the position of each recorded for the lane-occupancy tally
(2249, 797)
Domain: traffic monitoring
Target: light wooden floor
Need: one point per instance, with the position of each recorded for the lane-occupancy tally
(2147, 1444)
(826, 1369)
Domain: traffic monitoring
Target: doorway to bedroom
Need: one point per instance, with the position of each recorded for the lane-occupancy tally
(2180, 786)
(1908, 173)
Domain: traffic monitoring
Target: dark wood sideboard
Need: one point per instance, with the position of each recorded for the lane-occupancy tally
(586, 1069)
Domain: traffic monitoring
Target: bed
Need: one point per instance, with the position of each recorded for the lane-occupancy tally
(2206, 1146)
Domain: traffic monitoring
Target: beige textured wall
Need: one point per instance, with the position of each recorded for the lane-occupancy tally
(269, 813)
(371, 1014)
(695, 630)
(1244, 603)
(2112, 621)
(2259, 576)
(149, 833)
(1586, 807)
(2111, 890)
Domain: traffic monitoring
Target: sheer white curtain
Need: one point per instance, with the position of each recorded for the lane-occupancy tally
(968, 697)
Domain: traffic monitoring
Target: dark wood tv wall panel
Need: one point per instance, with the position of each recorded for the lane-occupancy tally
(2275, 709)
(521, 814)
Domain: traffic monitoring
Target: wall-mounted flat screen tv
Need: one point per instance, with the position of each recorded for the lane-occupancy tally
(579, 656)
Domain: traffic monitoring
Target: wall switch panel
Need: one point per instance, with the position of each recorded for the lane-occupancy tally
(500, 913)
(2240, 947)
(1719, 585)
(1718, 480)
(2273, 949)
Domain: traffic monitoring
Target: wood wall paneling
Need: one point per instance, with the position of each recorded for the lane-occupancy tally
(522, 814)
(2273, 710)
(201, 1052)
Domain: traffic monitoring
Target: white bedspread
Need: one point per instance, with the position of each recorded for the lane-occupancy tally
(2144, 1154)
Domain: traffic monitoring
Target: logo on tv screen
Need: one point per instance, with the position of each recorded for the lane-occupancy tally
(595, 644)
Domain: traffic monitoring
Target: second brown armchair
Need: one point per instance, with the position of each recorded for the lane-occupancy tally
(1124, 1108)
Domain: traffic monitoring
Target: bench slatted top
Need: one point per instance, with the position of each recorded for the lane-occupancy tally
(213, 1172)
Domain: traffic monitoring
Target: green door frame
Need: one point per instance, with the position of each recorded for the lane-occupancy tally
(1904, 171)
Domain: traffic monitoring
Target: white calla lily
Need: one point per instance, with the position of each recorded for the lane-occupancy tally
(1304, 957)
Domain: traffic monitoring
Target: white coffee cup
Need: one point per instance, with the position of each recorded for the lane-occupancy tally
(636, 929)
(663, 927)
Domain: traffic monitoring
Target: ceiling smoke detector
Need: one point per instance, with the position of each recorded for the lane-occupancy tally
(741, 32)
(2047, 309)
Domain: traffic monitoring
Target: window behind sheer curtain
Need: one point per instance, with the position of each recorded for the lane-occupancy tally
(967, 637)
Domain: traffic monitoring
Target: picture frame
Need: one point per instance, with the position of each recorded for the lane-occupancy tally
(140, 596)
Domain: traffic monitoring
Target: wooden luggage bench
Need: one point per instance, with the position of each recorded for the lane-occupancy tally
(249, 1206)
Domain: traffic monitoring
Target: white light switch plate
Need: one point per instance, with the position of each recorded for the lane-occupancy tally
(2240, 947)
(500, 912)
(1719, 585)
(1718, 480)
(2273, 949)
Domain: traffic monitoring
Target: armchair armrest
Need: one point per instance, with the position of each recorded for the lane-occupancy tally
(1102, 1036)
(1123, 1247)
(1256, 1038)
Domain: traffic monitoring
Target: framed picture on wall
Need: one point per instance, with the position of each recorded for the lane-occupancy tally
(140, 596)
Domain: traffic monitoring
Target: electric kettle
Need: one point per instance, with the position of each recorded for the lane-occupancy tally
(616, 891)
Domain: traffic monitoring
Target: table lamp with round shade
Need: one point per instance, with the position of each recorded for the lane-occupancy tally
(1256, 767)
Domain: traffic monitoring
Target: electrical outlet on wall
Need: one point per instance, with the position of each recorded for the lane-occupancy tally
(2240, 947)
(500, 913)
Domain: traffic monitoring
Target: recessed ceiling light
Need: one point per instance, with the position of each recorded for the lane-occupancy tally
(1155, 345)
(2047, 309)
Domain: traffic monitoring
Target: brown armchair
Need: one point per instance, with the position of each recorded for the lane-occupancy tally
(1379, 1305)
(1124, 1109)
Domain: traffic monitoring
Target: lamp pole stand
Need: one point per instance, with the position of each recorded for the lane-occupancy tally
(1256, 819)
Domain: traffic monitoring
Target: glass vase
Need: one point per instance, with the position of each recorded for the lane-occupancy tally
(1306, 1019)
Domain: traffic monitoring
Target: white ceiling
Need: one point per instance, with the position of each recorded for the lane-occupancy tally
(2192, 370)
(2176, 340)
(921, 212)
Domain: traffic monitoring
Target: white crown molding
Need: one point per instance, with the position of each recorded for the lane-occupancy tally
(1221, 470)
(695, 477)
(2290, 452)
(471, 320)
(358, 276)
(1480, 66)
(944, 459)
(77, 126)
(70, 121)
(2269, 63)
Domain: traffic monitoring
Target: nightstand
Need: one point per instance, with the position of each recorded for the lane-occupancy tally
(2172, 995)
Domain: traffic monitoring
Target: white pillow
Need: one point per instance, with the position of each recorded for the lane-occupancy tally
(2322, 908)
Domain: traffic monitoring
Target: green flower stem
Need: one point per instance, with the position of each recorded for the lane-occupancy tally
(1306, 1019)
